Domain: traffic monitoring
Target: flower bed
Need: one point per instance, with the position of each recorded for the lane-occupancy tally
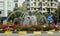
(28, 27)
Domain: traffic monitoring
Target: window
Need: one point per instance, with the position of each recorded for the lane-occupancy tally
(0, 12)
(35, 0)
(56, 0)
(16, 5)
(9, 4)
(31, 0)
(51, 9)
(34, 8)
(43, 8)
(1, 4)
(34, 4)
(47, 4)
(28, 8)
(48, 9)
(38, 8)
(28, 4)
(43, 0)
(31, 8)
(31, 4)
(43, 4)
(51, 0)
(28, 0)
(9, 11)
(55, 4)
(51, 4)
(40, 4)
(16, 1)
(47, 0)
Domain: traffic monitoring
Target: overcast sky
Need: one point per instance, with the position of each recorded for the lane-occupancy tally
(59, 0)
(24, 0)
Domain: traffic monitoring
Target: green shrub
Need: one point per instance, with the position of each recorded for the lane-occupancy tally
(1, 27)
(38, 28)
(47, 28)
(33, 28)
(18, 28)
(9, 23)
(28, 29)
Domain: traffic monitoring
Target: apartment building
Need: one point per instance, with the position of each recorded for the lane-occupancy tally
(41, 5)
(7, 6)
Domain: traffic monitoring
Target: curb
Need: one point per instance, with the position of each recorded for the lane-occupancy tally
(34, 32)
(8, 32)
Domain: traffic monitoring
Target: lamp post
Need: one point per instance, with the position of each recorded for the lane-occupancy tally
(57, 16)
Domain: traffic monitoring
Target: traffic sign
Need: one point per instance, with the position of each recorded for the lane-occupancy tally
(49, 18)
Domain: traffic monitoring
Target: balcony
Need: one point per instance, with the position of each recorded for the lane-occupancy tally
(53, 6)
(37, 2)
(35, 6)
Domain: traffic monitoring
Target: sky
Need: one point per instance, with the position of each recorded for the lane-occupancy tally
(59, 0)
(24, 0)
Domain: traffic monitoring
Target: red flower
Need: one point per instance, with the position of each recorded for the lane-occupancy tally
(55, 27)
(5, 27)
(11, 28)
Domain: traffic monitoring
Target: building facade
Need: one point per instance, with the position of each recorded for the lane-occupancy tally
(7, 6)
(41, 5)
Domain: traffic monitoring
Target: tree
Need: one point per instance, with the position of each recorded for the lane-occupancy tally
(56, 15)
(58, 11)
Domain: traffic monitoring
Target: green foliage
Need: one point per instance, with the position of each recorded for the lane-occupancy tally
(18, 28)
(34, 28)
(23, 9)
(1, 27)
(39, 28)
(17, 12)
(9, 23)
(41, 18)
(47, 28)
(28, 29)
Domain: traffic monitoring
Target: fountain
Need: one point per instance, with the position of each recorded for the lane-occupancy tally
(30, 19)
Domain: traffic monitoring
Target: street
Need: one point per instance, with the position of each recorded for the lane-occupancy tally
(43, 34)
